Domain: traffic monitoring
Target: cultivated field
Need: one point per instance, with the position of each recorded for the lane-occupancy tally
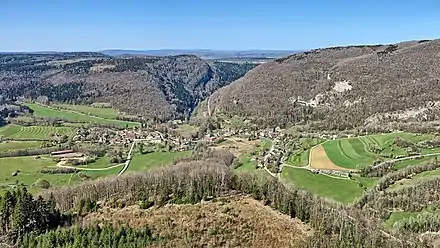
(351, 153)
(348, 154)
(34, 132)
(320, 160)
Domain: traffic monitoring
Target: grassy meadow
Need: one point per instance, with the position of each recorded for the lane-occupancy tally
(47, 112)
(156, 159)
(341, 190)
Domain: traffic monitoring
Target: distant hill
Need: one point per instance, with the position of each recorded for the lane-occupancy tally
(159, 88)
(205, 53)
(340, 87)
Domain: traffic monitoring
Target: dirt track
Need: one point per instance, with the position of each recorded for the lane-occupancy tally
(319, 160)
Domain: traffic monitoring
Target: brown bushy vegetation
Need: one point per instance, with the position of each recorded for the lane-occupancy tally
(233, 221)
(385, 81)
(158, 88)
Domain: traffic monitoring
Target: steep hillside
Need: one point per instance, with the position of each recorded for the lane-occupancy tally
(340, 87)
(159, 88)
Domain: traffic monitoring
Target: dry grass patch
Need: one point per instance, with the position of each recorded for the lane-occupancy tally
(239, 146)
(226, 222)
(319, 160)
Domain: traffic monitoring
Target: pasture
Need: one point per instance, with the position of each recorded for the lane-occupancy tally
(19, 145)
(29, 172)
(155, 159)
(48, 112)
(339, 189)
(106, 113)
(33, 132)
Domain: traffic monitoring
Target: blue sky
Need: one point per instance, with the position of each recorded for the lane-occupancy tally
(91, 25)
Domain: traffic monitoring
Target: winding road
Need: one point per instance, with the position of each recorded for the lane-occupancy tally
(406, 158)
(129, 156)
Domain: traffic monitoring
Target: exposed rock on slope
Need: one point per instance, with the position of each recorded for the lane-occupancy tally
(337, 87)
(159, 88)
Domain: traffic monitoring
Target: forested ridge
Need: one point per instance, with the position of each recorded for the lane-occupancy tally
(157, 88)
(340, 87)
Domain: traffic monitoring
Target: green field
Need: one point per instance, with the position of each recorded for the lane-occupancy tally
(353, 152)
(341, 190)
(19, 145)
(349, 153)
(46, 112)
(33, 132)
(415, 179)
(246, 164)
(107, 113)
(29, 174)
(155, 159)
(102, 162)
(399, 216)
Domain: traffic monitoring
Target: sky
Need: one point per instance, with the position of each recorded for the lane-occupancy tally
(93, 25)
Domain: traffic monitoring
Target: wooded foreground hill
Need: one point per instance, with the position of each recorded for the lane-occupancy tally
(159, 88)
(340, 87)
